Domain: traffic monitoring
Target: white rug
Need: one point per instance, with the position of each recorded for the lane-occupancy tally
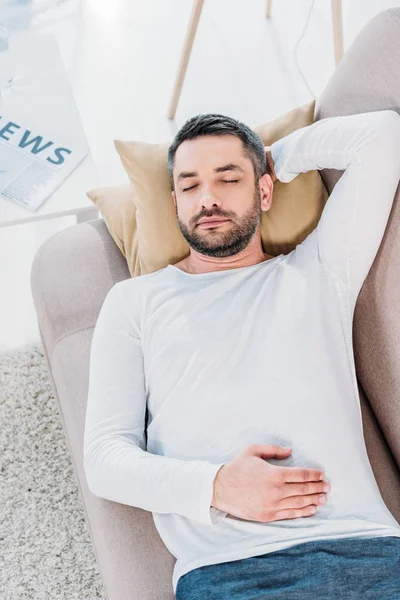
(45, 547)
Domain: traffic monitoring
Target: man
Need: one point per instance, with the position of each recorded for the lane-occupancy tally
(238, 354)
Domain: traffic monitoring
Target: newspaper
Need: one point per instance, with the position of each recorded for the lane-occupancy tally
(34, 162)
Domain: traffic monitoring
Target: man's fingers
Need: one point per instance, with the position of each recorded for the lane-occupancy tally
(303, 489)
(294, 474)
(301, 501)
(294, 513)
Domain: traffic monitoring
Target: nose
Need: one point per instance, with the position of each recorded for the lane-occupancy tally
(208, 200)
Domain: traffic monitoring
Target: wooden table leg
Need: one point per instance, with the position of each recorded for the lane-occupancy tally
(337, 29)
(187, 48)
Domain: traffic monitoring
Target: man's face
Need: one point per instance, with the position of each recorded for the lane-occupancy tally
(213, 178)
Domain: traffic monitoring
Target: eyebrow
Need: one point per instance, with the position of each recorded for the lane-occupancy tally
(228, 167)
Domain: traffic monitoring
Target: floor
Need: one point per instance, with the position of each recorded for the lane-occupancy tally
(121, 57)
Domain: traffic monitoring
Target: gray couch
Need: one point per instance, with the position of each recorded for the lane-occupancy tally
(73, 271)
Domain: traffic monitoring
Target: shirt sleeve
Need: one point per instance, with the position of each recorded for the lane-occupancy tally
(116, 464)
(367, 147)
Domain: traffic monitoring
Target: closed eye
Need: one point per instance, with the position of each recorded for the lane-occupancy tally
(224, 181)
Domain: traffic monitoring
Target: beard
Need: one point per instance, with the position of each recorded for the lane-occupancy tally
(221, 244)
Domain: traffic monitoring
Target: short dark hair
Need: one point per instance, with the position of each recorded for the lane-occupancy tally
(217, 124)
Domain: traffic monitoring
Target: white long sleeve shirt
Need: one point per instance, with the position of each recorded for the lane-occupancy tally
(258, 354)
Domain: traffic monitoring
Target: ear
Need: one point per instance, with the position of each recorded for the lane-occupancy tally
(173, 197)
(266, 190)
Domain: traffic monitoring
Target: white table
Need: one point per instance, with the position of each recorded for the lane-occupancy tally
(42, 92)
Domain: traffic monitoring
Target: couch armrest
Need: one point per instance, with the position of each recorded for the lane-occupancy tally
(71, 275)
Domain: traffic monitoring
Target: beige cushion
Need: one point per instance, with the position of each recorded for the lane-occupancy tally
(117, 207)
(294, 213)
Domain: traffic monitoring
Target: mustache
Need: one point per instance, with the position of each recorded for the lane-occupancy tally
(209, 214)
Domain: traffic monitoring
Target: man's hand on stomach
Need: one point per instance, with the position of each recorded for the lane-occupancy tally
(250, 488)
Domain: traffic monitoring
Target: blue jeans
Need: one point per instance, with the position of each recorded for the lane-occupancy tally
(336, 569)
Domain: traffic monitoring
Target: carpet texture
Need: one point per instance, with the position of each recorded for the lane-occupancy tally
(45, 548)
